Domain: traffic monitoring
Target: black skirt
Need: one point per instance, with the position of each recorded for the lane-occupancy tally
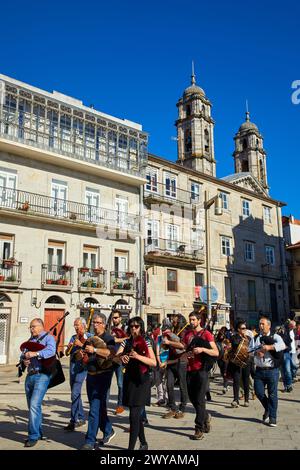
(136, 390)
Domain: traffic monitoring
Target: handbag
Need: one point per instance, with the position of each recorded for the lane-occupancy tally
(57, 376)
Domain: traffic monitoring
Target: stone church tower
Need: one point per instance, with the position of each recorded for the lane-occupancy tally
(249, 155)
(195, 127)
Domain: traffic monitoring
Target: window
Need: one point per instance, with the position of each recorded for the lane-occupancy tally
(227, 289)
(267, 214)
(6, 246)
(249, 251)
(206, 140)
(170, 185)
(152, 234)
(59, 192)
(8, 184)
(195, 192)
(90, 257)
(251, 295)
(171, 237)
(226, 246)
(199, 279)
(121, 204)
(56, 256)
(246, 207)
(197, 239)
(224, 198)
(245, 166)
(121, 262)
(270, 254)
(92, 200)
(151, 177)
(171, 280)
(187, 140)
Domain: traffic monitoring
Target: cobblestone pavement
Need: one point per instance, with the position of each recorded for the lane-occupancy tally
(239, 428)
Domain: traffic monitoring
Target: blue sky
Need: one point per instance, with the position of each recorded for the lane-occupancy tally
(132, 59)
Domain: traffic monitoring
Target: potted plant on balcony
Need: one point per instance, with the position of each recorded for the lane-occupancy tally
(66, 267)
(72, 216)
(12, 278)
(48, 281)
(2, 278)
(65, 282)
(9, 262)
(60, 282)
(129, 274)
(97, 270)
(84, 269)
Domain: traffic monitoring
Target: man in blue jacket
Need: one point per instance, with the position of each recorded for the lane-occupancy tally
(37, 380)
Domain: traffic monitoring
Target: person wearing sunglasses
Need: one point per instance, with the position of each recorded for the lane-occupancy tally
(137, 356)
(119, 335)
(236, 372)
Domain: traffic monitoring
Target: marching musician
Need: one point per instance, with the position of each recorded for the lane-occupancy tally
(77, 374)
(235, 370)
(137, 355)
(119, 335)
(37, 380)
(98, 384)
(197, 373)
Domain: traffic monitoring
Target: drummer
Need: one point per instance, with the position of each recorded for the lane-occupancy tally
(36, 383)
(237, 372)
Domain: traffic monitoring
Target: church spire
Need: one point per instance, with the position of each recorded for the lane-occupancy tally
(193, 76)
(247, 112)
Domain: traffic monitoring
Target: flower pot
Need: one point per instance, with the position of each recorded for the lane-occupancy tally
(2, 278)
(48, 281)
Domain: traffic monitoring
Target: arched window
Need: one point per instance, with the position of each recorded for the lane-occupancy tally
(245, 144)
(188, 110)
(245, 165)
(206, 140)
(4, 298)
(203, 110)
(55, 299)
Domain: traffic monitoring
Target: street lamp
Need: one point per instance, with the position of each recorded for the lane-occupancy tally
(218, 211)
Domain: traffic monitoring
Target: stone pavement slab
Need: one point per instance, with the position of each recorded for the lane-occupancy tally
(232, 429)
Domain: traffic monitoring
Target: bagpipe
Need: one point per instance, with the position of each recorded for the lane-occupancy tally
(50, 366)
(197, 341)
(93, 362)
(269, 340)
(139, 345)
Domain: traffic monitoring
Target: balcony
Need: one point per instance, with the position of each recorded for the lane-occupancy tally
(92, 280)
(158, 193)
(122, 283)
(172, 252)
(68, 137)
(26, 204)
(57, 277)
(10, 273)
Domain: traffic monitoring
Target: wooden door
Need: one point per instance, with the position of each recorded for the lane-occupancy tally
(50, 318)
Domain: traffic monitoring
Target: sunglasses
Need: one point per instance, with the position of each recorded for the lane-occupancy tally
(243, 328)
(134, 326)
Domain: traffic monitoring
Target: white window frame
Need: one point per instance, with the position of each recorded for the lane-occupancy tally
(249, 251)
(195, 191)
(246, 208)
(121, 263)
(225, 200)
(59, 195)
(267, 214)
(226, 249)
(55, 257)
(152, 180)
(270, 255)
(92, 201)
(170, 192)
(172, 232)
(8, 186)
(121, 207)
(152, 231)
(90, 258)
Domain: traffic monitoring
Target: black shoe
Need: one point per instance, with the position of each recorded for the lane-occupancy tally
(208, 396)
(80, 423)
(87, 447)
(70, 427)
(144, 446)
(107, 439)
(207, 424)
(265, 417)
(29, 443)
(272, 423)
(145, 422)
(289, 389)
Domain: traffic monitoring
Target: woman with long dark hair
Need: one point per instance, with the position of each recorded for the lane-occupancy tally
(137, 355)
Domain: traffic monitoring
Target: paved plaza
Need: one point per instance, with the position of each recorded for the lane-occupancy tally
(232, 429)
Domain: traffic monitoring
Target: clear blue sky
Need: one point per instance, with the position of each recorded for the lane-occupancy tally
(132, 59)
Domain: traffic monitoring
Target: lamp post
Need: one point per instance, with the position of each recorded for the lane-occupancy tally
(218, 211)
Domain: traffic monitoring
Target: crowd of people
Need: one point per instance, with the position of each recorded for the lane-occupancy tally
(179, 352)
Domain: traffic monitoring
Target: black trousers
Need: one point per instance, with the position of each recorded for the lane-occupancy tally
(197, 382)
(177, 370)
(136, 426)
(237, 372)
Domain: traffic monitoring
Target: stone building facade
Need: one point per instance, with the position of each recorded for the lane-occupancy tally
(291, 232)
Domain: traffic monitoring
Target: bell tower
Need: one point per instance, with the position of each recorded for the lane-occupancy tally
(195, 127)
(249, 155)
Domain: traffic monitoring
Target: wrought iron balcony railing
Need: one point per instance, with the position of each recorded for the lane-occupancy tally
(32, 203)
(122, 282)
(173, 248)
(10, 273)
(86, 147)
(58, 277)
(157, 192)
(92, 280)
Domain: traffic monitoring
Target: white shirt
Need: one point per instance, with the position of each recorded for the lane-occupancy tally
(267, 359)
(293, 343)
